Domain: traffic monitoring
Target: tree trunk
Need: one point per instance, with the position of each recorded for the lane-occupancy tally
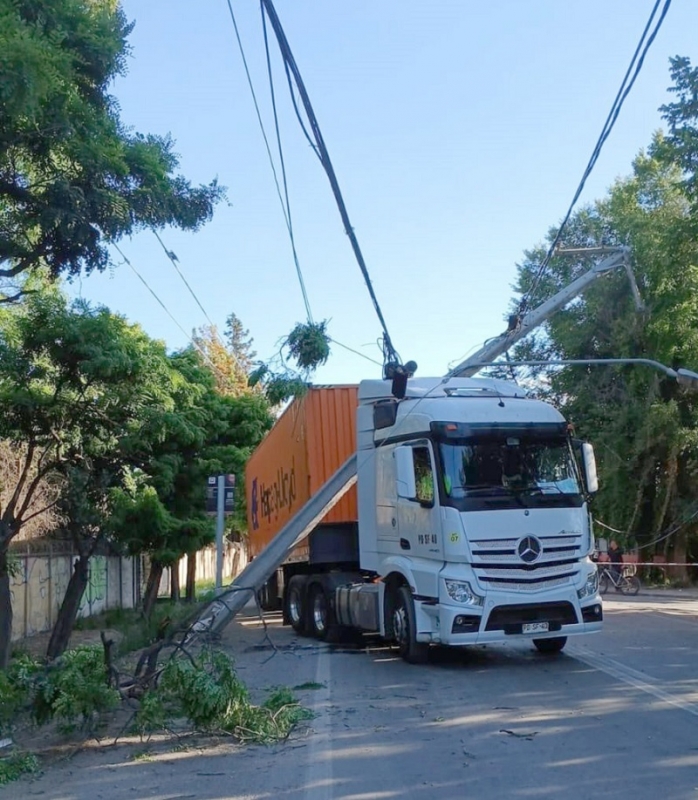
(152, 586)
(174, 582)
(68, 612)
(680, 555)
(191, 577)
(5, 611)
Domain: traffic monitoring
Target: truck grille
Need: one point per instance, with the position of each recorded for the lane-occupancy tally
(510, 618)
(497, 563)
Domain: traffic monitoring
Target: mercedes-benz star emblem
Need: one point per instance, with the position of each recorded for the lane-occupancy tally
(529, 549)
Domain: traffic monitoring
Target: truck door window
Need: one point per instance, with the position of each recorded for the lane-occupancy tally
(424, 475)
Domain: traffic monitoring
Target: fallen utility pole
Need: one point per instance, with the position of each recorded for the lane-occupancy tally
(615, 257)
(222, 610)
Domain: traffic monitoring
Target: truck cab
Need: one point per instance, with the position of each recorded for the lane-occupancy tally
(473, 512)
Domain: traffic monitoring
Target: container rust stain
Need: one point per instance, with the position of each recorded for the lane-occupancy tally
(309, 442)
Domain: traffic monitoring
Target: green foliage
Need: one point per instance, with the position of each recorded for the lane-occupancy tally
(16, 765)
(281, 388)
(207, 692)
(12, 699)
(73, 177)
(309, 344)
(73, 690)
(76, 689)
(644, 426)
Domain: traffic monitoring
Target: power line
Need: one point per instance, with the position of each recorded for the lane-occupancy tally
(174, 260)
(214, 329)
(164, 307)
(627, 83)
(665, 534)
(283, 168)
(284, 207)
(390, 353)
(356, 352)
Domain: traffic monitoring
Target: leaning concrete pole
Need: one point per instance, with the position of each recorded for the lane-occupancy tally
(221, 611)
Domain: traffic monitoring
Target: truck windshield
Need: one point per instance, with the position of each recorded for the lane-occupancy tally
(484, 472)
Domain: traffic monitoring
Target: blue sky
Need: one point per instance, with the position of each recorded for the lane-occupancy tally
(458, 131)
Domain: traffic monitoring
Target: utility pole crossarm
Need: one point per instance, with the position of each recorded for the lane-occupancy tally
(618, 257)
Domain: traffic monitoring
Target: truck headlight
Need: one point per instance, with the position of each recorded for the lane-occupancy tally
(462, 592)
(591, 586)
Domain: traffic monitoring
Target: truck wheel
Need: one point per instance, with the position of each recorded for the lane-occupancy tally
(268, 595)
(404, 622)
(550, 646)
(319, 612)
(295, 605)
(321, 617)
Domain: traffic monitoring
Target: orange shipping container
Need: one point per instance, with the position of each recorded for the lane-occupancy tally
(309, 442)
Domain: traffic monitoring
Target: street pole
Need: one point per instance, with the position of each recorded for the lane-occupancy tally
(220, 527)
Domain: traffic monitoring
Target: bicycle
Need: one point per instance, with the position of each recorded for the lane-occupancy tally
(627, 583)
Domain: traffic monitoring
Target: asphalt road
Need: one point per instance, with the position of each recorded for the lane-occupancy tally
(616, 716)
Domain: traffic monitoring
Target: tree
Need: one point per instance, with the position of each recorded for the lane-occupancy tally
(240, 343)
(230, 357)
(211, 434)
(680, 147)
(72, 177)
(645, 427)
(79, 387)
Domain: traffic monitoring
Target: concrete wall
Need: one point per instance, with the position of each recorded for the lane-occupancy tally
(234, 561)
(39, 587)
(115, 582)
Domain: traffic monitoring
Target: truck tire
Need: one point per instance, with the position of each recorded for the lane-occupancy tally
(550, 646)
(268, 595)
(404, 625)
(296, 608)
(319, 612)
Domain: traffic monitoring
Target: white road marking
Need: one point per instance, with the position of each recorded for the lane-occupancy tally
(630, 676)
(319, 782)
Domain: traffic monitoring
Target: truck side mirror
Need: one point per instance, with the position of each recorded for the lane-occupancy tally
(404, 467)
(589, 460)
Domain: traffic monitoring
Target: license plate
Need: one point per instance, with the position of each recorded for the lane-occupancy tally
(535, 627)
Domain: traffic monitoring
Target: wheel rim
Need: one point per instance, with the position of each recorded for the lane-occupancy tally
(400, 624)
(320, 612)
(294, 606)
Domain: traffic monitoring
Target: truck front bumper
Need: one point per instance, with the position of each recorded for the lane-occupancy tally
(504, 617)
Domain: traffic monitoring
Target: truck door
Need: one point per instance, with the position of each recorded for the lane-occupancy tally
(418, 514)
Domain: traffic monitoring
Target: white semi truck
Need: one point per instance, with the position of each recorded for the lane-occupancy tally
(473, 523)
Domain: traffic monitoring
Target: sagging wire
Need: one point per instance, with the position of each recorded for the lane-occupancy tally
(390, 355)
(286, 211)
(627, 83)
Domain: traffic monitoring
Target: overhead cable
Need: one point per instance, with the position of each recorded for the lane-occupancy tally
(164, 307)
(390, 354)
(634, 67)
(289, 219)
(214, 328)
(175, 263)
(286, 210)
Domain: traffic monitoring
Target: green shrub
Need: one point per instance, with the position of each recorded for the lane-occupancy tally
(72, 690)
(209, 695)
(16, 765)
